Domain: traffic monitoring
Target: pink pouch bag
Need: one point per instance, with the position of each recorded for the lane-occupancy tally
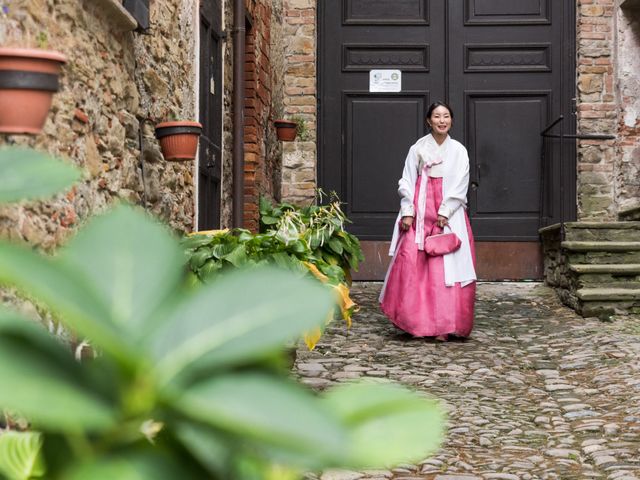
(441, 243)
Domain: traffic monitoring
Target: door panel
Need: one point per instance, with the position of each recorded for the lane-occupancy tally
(386, 12)
(505, 163)
(371, 197)
(509, 12)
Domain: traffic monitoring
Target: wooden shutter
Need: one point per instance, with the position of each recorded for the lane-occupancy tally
(140, 11)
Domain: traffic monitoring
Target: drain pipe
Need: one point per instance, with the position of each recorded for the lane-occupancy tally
(238, 112)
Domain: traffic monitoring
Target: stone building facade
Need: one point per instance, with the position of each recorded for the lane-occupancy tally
(116, 85)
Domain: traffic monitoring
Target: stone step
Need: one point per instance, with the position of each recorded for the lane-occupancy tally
(584, 284)
(603, 302)
(605, 309)
(602, 252)
(601, 246)
(620, 275)
(608, 294)
(629, 214)
(629, 269)
(602, 258)
(602, 231)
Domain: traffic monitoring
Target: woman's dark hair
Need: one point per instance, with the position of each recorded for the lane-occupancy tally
(435, 105)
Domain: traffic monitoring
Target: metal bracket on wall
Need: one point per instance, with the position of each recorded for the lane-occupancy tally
(579, 136)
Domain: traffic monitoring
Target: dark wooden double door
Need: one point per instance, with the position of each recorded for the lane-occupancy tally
(505, 66)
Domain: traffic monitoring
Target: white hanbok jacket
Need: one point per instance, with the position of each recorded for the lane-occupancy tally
(451, 162)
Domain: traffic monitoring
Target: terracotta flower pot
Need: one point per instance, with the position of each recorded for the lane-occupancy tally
(28, 80)
(178, 140)
(286, 130)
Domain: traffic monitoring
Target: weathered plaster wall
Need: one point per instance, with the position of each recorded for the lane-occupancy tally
(114, 84)
(627, 166)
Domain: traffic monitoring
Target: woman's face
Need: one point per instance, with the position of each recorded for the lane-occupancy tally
(440, 120)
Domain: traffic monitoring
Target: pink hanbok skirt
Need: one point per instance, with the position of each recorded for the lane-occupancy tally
(415, 296)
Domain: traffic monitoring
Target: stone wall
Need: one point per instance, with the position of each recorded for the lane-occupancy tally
(299, 162)
(226, 211)
(597, 108)
(608, 49)
(262, 153)
(114, 84)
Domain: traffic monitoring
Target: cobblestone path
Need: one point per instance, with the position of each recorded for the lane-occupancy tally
(537, 392)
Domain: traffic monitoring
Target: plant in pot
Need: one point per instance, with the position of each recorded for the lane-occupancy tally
(28, 80)
(178, 139)
(286, 130)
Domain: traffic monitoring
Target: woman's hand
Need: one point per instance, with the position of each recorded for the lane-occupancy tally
(406, 223)
(442, 221)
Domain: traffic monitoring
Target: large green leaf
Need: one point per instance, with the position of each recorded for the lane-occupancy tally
(211, 449)
(132, 465)
(132, 262)
(196, 241)
(42, 381)
(270, 410)
(237, 319)
(28, 174)
(20, 457)
(66, 292)
(388, 424)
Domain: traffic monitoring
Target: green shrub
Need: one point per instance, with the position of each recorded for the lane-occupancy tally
(321, 227)
(188, 382)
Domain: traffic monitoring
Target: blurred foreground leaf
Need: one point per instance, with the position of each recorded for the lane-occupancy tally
(28, 174)
(388, 424)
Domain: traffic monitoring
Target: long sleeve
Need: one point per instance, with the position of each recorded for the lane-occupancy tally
(406, 185)
(456, 194)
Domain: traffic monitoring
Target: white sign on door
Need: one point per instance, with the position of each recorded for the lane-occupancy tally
(385, 81)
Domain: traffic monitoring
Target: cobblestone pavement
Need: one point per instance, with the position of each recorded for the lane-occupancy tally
(536, 392)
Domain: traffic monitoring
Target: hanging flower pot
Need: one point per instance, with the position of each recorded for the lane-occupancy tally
(178, 140)
(28, 80)
(286, 130)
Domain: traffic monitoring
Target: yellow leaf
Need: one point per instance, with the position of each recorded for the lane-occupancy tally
(316, 273)
(211, 233)
(347, 306)
(279, 472)
(311, 338)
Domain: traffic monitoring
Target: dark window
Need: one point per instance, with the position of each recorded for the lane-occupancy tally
(140, 11)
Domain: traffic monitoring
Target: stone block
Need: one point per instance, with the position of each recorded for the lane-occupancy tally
(592, 204)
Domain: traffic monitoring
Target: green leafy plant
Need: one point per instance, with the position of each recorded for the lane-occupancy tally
(301, 128)
(43, 40)
(212, 255)
(188, 381)
(321, 227)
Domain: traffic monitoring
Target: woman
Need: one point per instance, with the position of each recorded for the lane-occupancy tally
(432, 296)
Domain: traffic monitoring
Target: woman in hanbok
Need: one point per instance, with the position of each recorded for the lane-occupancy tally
(425, 295)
